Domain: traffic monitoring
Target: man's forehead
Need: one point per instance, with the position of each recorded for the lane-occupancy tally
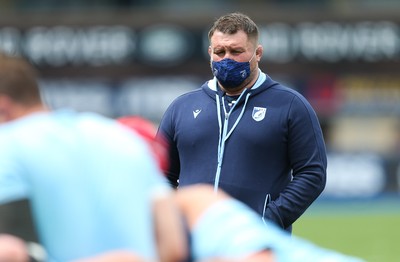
(238, 39)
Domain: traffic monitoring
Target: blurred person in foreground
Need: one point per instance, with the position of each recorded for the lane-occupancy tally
(222, 229)
(93, 185)
(245, 133)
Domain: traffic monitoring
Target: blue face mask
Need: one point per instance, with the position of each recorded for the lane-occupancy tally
(231, 73)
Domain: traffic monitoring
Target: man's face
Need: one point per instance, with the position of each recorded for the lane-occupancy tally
(234, 46)
(237, 47)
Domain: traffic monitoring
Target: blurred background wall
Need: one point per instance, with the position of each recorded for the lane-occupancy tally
(134, 56)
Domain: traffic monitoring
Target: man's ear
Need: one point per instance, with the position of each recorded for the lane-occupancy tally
(5, 106)
(259, 52)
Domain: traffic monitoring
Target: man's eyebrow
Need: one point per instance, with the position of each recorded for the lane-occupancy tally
(230, 48)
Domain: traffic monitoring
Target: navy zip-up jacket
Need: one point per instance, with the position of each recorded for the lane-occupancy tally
(267, 151)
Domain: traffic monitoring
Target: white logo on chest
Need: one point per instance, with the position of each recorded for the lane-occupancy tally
(259, 113)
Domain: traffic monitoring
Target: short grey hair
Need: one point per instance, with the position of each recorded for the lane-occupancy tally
(234, 22)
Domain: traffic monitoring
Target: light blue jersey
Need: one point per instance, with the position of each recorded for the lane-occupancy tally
(229, 229)
(88, 178)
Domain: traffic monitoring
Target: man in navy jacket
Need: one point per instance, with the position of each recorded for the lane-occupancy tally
(245, 133)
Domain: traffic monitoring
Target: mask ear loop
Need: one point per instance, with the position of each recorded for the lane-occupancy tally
(254, 54)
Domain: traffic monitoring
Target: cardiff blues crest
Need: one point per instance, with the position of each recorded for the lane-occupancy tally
(258, 113)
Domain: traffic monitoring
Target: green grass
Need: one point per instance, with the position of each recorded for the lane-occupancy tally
(369, 230)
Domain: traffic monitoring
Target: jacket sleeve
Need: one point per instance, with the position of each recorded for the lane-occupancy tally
(166, 130)
(307, 157)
